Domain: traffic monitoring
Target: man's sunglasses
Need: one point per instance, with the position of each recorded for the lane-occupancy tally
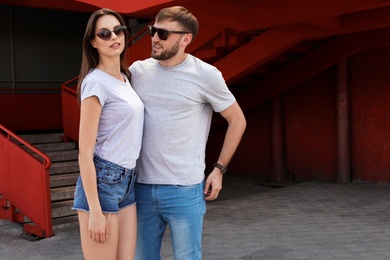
(106, 34)
(162, 33)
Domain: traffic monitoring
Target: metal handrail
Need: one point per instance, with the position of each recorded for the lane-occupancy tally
(46, 159)
(65, 85)
(37, 206)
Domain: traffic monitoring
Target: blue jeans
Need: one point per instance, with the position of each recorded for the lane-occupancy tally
(181, 208)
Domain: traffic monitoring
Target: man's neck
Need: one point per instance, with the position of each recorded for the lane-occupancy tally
(175, 60)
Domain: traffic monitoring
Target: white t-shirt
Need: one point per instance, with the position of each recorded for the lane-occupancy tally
(120, 128)
(179, 103)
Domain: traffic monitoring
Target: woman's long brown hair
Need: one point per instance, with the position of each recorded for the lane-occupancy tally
(90, 56)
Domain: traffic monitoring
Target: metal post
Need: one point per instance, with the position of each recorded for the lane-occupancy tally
(279, 168)
(343, 136)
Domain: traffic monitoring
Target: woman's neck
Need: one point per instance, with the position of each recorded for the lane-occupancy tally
(111, 68)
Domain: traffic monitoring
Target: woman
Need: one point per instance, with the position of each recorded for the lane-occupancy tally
(111, 124)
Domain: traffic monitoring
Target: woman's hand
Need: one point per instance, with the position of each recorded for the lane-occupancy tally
(98, 227)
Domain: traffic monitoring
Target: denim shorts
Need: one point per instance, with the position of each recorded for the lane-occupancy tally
(115, 187)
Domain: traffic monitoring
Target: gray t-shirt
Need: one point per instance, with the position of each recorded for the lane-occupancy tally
(120, 128)
(179, 103)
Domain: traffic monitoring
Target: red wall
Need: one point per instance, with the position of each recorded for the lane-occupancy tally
(310, 126)
(370, 115)
(20, 112)
(252, 158)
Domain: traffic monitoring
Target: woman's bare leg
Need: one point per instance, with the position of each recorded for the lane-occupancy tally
(94, 250)
(127, 233)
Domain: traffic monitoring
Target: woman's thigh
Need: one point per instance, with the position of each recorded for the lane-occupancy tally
(95, 250)
(127, 232)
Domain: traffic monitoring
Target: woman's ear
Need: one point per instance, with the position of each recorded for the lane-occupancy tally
(93, 43)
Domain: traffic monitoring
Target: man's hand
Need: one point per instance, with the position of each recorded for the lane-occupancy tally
(213, 185)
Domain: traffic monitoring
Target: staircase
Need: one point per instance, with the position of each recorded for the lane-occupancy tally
(64, 172)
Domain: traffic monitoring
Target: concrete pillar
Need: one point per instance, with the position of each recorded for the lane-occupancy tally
(343, 167)
(279, 170)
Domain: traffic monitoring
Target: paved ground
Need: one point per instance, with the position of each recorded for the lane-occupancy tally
(303, 221)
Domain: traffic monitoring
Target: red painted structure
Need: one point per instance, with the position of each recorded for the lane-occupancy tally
(312, 77)
(28, 193)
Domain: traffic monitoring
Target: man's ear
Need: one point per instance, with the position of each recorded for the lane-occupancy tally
(187, 39)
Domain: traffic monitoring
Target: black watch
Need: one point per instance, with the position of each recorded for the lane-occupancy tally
(222, 168)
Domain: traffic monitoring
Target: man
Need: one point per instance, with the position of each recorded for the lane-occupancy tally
(179, 93)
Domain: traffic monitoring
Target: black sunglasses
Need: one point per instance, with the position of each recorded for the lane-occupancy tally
(162, 33)
(106, 34)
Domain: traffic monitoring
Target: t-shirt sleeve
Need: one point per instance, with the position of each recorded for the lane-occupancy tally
(94, 86)
(216, 92)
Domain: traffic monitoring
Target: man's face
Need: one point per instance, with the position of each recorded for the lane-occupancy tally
(166, 49)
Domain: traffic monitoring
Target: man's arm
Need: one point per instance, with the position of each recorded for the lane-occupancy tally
(237, 124)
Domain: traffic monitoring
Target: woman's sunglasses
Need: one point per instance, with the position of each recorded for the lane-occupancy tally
(162, 33)
(106, 34)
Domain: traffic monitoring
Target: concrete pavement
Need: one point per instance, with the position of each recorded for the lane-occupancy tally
(309, 220)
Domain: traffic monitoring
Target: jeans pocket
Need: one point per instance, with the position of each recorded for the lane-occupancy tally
(130, 184)
(108, 174)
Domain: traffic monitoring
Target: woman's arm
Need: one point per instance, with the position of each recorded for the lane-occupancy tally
(89, 120)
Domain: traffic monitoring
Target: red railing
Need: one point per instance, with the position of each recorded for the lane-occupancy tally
(24, 184)
(70, 110)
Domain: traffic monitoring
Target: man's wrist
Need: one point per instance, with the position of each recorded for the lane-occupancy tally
(220, 167)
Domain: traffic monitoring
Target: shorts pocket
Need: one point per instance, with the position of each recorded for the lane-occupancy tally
(108, 174)
(130, 186)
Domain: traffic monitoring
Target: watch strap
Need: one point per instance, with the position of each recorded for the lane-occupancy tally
(222, 168)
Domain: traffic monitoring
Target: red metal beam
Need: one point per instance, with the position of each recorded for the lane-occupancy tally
(258, 14)
(275, 41)
(145, 7)
(259, 51)
(68, 5)
(241, 15)
(324, 57)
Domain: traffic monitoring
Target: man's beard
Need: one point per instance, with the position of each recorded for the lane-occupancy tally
(167, 54)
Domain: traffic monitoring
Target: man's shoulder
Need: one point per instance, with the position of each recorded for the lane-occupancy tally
(202, 65)
(145, 61)
(141, 64)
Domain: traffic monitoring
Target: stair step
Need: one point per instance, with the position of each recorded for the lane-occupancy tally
(52, 147)
(62, 193)
(43, 138)
(61, 156)
(62, 180)
(66, 222)
(62, 209)
(64, 167)
(64, 172)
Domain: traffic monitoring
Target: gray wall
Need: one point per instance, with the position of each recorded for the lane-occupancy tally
(39, 48)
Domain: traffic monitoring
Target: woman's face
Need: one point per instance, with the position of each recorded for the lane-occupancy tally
(115, 44)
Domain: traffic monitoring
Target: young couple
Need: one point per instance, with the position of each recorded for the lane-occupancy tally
(154, 116)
